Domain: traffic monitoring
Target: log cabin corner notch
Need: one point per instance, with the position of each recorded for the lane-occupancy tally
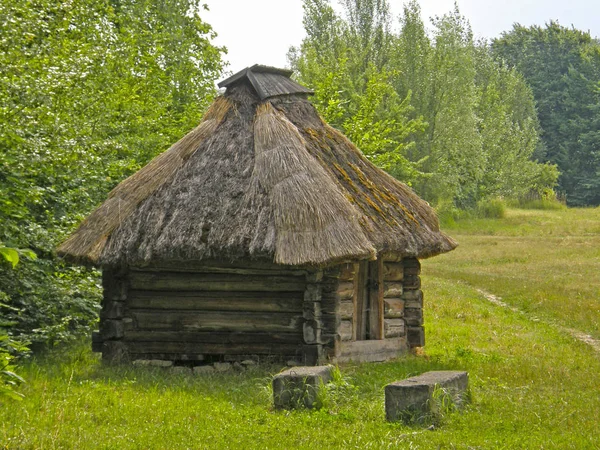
(263, 231)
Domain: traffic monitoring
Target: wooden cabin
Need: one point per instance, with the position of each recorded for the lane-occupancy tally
(263, 233)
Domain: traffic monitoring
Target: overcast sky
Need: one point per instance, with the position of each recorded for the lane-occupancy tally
(262, 31)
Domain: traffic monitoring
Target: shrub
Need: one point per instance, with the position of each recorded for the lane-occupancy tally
(494, 208)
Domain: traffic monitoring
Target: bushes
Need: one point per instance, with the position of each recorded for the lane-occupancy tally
(494, 208)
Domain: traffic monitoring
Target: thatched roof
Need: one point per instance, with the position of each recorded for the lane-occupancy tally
(261, 177)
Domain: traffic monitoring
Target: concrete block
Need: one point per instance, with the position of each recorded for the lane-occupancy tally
(299, 386)
(413, 398)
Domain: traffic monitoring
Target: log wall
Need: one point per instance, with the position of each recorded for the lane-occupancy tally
(222, 312)
(208, 313)
(412, 296)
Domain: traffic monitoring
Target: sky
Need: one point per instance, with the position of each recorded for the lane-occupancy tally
(262, 31)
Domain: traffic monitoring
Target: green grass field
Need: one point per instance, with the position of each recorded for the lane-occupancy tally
(533, 385)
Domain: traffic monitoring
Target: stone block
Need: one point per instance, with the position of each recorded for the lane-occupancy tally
(299, 386)
(153, 362)
(204, 370)
(182, 370)
(417, 397)
(222, 366)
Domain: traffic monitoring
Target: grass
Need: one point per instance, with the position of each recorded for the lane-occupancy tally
(532, 385)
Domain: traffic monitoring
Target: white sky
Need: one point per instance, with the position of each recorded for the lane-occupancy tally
(262, 31)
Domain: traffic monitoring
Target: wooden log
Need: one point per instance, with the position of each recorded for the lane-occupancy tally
(413, 316)
(115, 351)
(216, 321)
(112, 310)
(213, 337)
(413, 299)
(345, 290)
(411, 282)
(345, 330)
(111, 329)
(415, 336)
(114, 286)
(346, 309)
(394, 328)
(393, 271)
(194, 348)
(394, 308)
(96, 341)
(392, 289)
(253, 267)
(169, 281)
(312, 355)
(312, 293)
(311, 332)
(330, 323)
(216, 301)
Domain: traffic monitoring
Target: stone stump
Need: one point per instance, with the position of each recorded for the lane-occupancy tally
(299, 386)
(416, 397)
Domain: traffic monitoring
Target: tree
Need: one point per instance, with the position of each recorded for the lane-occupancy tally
(433, 109)
(562, 66)
(346, 62)
(89, 92)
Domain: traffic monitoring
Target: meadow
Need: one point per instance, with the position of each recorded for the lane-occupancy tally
(534, 384)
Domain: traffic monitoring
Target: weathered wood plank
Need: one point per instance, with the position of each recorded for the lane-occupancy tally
(394, 307)
(372, 350)
(394, 328)
(191, 349)
(215, 321)
(213, 282)
(213, 337)
(393, 271)
(392, 289)
(216, 301)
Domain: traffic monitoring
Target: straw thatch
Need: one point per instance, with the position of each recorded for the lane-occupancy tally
(258, 179)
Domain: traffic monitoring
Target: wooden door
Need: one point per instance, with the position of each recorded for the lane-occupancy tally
(368, 301)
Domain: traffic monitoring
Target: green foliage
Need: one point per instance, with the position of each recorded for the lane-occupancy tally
(89, 92)
(10, 351)
(345, 62)
(433, 109)
(494, 208)
(562, 66)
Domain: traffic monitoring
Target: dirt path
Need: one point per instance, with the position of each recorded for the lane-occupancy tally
(580, 336)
